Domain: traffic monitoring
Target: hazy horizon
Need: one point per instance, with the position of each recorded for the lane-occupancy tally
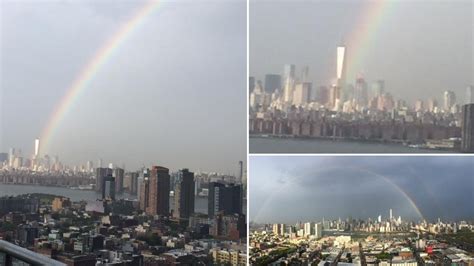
(288, 189)
(172, 94)
(418, 56)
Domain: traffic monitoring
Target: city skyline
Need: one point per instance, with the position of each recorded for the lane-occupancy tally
(276, 85)
(150, 94)
(16, 158)
(367, 30)
(415, 188)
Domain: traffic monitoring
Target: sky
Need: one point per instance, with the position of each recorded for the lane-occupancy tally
(173, 93)
(420, 48)
(289, 189)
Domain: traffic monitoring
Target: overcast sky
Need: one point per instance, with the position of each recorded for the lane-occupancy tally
(290, 189)
(420, 48)
(173, 94)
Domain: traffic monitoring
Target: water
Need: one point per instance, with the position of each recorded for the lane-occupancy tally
(74, 195)
(292, 145)
(200, 203)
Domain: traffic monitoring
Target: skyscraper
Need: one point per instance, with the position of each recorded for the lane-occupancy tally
(89, 167)
(470, 94)
(288, 91)
(322, 96)
(419, 106)
(308, 229)
(378, 88)
(133, 183)
(289, 72)
(467, 128)
(144, 190)
(37, 146)
(184, 195)
(449, 100)
(108, 187)
(241, 172)
(305, 74)
(432, 104)
(18, 163)
(326, 224)
(118, 174)
(3, 158)
(224, 197)
(385, 102)
(11, 156)
(251, 84)
(334, 95)
(158, 191)
(100, 174)
(361, 95)
(257, 97)
(318, 230)
(272, 83)
(276, 229)
(341, 66)
(302, 94)
(279, 229)
(288, 80)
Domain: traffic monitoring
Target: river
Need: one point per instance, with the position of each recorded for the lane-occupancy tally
(294, 145)
(200, 203)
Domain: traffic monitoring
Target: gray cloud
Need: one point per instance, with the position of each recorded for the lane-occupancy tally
(362, 186)
(173, 93)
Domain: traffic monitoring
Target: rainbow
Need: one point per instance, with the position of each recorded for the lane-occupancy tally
(284, 189)
(399, 189)
(362, 38)
(92, 68)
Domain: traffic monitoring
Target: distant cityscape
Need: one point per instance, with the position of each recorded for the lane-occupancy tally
(288, 105)
(154, 221)
(382, 240)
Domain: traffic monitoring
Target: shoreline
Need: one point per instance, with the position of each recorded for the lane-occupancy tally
(394, 143)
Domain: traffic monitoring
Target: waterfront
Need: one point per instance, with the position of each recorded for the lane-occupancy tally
(295, 145)
(78, 195)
